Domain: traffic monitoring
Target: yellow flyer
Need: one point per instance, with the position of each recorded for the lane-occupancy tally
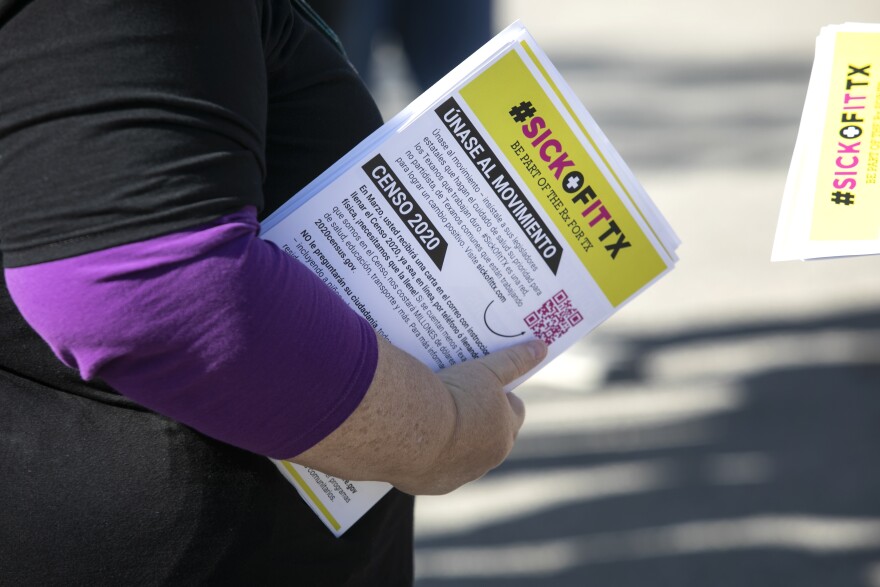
(832, 202)
(580, 200)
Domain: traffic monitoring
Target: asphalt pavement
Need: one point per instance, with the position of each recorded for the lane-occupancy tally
(723, 428)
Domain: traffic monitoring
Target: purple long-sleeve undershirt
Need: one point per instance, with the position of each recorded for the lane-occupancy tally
(213, 327)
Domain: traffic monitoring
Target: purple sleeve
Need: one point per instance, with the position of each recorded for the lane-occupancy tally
(213, 327)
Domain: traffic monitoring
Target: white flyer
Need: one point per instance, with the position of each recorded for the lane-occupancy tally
(491, 211)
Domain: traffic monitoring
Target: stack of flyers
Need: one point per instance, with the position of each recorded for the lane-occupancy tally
(831, 203)
(492, 210)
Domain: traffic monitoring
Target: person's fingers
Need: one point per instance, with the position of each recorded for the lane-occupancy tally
(515, 361)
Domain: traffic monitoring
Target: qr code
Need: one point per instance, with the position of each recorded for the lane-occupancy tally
(554, 318)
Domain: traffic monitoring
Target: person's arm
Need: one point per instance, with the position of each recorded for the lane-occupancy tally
(224, 332)
(138, 141)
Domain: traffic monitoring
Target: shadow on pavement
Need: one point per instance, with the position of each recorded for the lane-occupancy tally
(782, 487)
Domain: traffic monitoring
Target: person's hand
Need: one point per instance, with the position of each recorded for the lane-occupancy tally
(488, 417)
(428, 433)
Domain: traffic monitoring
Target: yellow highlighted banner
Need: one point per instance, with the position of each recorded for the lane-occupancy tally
(595, 222)
(847, 198)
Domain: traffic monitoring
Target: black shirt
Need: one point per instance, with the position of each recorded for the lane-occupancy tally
(121, 121)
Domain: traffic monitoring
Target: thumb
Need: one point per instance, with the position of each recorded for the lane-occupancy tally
(515, 361)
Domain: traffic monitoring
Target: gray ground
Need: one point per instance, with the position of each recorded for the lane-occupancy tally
(722, 429)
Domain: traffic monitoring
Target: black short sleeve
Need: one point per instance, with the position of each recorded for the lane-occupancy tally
(121, 121)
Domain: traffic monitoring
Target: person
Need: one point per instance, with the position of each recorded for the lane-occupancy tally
(155, 350)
